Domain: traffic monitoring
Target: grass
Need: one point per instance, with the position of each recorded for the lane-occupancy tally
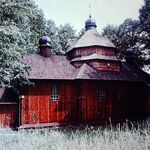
(137, 137)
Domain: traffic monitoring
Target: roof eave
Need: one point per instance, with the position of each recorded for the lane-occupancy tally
(91, 46)
(96, 59)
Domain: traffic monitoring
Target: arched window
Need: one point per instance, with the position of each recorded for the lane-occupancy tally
(54, 92)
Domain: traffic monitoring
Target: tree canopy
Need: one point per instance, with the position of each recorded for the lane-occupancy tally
(133, 34)
(21, 25)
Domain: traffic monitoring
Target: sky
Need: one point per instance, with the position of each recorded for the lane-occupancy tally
(75, 12)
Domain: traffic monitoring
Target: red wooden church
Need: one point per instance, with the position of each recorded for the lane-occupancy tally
(87, 86)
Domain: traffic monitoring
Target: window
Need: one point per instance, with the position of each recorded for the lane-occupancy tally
(102, 94)
(54, 92)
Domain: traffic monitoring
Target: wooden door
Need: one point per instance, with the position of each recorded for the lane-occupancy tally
(87, 102)
(91, 108)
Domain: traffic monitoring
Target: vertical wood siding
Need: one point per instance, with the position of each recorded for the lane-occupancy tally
(78, 102)
(106, 65)
(91, 50)
(8, 115)
(94, 110)
(37, 106)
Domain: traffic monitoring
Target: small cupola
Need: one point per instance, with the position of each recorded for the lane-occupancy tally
(90, 23)
(45, 46)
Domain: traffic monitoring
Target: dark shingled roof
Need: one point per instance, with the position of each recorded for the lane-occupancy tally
(8, 96)
(88, 72)
(91, 38)
(144, 75)
(60, 68)
(54, 67)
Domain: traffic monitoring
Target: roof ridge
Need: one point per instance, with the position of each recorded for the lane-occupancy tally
(83, 68)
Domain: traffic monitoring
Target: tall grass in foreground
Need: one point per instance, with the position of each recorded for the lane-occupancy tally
(89, 138)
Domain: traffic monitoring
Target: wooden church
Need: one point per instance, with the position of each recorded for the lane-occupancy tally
(89, 85)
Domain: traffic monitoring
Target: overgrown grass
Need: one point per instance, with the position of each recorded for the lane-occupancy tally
(137, 137)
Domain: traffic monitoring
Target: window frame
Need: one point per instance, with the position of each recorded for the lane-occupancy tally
(102, 93)
(54, 92)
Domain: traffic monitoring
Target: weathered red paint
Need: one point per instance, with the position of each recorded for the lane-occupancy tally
(78, 103)
(91, 50)
(106, 65)
(37, 107)
(8, 115)
(92, 109)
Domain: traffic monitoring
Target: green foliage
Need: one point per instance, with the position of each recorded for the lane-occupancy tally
(81, 32)
(144, 19)
(66, 34)
(133, 35)
(10, 54)
(27, 18)
(60, 36)
(111, 32)
(21, 25)
(128, 33)
(52, 32)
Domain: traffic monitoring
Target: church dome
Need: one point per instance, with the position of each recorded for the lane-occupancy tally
(45, 41)
(90, 23)
(90, 39)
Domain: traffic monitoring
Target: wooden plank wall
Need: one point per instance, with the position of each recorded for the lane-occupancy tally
(88, 51)
(94, 110)
(8, 115)
(78, 102)
(105, 65)
(123, 101)
(37, 106)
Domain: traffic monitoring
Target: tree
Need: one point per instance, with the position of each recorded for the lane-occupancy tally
(21, 24)
(26, 16)
(112, 33)
(10, 55)
(144, 19)
(126, 37)
(52, 32)
(81, 32)
(66, 34)
(133, 34)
